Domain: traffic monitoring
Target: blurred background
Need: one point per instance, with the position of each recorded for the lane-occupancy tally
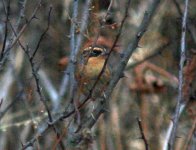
(148, 90)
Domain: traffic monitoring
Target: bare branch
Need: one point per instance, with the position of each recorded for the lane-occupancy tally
(192, 32)
(43, 34)
(73, 49)
(77, 41)
(14, 38)
(7, 11)
(180, 99)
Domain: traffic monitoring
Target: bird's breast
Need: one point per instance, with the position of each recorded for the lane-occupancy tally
(88, 74)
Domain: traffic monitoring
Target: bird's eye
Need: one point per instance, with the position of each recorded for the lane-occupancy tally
(96, 52)
(93, 51)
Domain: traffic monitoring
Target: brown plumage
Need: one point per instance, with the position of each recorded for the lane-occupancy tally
(90, 64)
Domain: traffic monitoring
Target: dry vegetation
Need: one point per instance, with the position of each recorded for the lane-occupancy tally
(150, 103)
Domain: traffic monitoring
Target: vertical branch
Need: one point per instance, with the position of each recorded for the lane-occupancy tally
(71, 68)
(75, 42)
(83, 25)
(180, 98)
(73, 28)
(73, 46)
(69, 73)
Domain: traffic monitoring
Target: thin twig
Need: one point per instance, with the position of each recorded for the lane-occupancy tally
(102, 25)
(43, 34)
(108, 11)
(180, 99)
(34, 70)
(142, 133)
(178, 8)
(7, 11)
(192, 32)
(13, 40)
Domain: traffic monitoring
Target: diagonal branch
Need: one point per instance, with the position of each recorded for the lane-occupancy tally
(142, 133)
(43, 34)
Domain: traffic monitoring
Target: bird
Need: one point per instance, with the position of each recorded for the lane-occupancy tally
(90, 63)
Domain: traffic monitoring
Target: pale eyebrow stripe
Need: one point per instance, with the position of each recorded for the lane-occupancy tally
(98, 49)
(95, 48)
